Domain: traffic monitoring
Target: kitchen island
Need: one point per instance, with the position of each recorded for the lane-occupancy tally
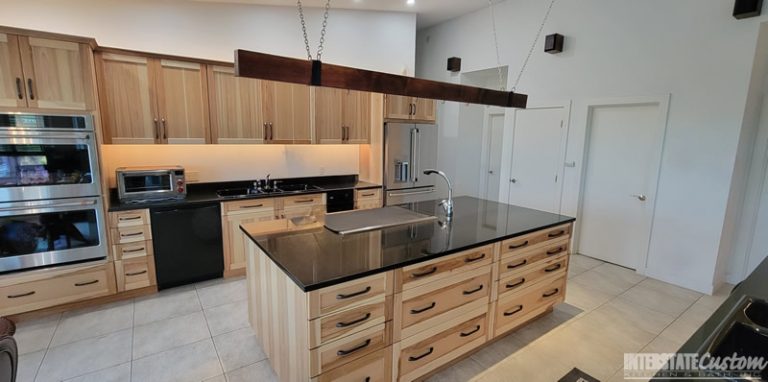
(400, 303)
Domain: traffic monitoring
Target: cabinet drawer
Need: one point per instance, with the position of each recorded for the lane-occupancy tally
(515, 309)
(348, 349)
(304, 200)
(368, 204)
(553, 268)
(133, 250)
(135, 273)
(266, 205)
(129, 218)
(368, 195)
(82, 284)
(521, 262)
(135, 234)
(530, 240)
(429, 350)
(375, 367)
(420, 274)
(349, 294)
(435, 302)
(346, 322)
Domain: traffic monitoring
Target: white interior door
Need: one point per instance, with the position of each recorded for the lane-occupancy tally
(623, 154)
(493, 142)
(537, 158)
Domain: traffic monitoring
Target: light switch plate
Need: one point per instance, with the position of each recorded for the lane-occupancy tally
(192, 176)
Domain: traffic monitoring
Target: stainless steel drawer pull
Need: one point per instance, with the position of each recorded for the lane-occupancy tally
(553, 268)
(425, 273)
(371, 194)
(31, 90)
(518, 265)
(136, 273)
(86, 283)
(473, 291)
(555, 251)
(304, 201)
(514, 310)
(134, 250)
(556, 234)
(354, 322)
(342, 353)
(252, 206)
(471, 332)
(422, 310)
(519, 245)
(131, 234)
(21, 295)
(355, 294)
(19, 92)
(122, 219)
(552, 293)
(517, 284)
(418, 357)
(473, 259)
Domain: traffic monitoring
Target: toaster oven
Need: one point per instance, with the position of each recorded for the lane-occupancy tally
(140, 184)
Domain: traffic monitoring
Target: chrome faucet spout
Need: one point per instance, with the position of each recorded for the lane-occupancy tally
(448, 203)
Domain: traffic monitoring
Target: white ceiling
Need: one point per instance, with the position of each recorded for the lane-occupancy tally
(429, 12)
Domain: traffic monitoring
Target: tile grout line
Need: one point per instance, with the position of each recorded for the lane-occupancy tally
(47, 347)
(133, 337)
(210, 334)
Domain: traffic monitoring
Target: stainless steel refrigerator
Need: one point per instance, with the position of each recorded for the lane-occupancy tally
(409, 149)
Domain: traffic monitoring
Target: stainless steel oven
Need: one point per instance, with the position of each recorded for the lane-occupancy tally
(42, 233)
(47, 157)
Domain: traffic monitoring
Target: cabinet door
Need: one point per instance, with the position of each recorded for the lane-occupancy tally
(235, 107)
(425, 110)
(234, 239)
(57, 73)
(128, 110)
(286, 112)
(357, 116)
(182, 92)
(398, 107)
(12, 88)
(328, 114)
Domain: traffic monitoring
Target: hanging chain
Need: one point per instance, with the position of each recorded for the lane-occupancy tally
(322, 32)
(502, 85)
(533, 46)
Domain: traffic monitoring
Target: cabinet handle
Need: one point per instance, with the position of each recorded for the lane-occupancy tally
(342, 353)
(366, 195)
(422, 310)
(473, 259)
(517, 284)
(418, 357)
(31, 90)
(552, 293)
(555, 251)
(86, 283)
(252, 206)
(21, 295)
(556, 234)
(131, 234)
(304, 201)
(136, 273)
(355, 294)
(367, 379)
(271, 132)
(473, 291)
(157, 129)
(414, 108)
(519, 245)
(134, 250)
(473, 331)
(354, 322)
(165, 130)
(266, 137)
(19, 91)
(518, 265)
(426, 273)
(553, 268)
(512, 312)
(122, 219)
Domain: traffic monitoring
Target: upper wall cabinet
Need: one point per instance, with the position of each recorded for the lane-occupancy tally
(45, 73)
(148, 100)
(286, 113)
(236, 107)
(342, 116)
(410, 109)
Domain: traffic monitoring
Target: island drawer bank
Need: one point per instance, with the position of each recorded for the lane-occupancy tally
(400, 303)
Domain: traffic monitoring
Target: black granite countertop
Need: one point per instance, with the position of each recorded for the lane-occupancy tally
(319, 258)
(206, 192)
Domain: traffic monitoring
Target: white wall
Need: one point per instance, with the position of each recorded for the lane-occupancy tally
(381, 41)
(692, 49)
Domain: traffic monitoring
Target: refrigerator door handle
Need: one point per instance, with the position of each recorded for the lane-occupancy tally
(414, 154)
(417, 159)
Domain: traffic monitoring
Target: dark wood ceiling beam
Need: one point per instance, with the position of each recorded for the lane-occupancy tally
(276, 68)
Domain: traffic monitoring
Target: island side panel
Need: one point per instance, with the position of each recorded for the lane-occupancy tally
(279, 315)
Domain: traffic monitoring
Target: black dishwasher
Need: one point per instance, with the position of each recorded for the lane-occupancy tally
(187, 243)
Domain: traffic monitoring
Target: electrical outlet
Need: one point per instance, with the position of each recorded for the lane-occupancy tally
(322, 170)
(192, 176)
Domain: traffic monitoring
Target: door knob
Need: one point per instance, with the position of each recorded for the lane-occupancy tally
(513, 180)
(640, 197)
(490, 171)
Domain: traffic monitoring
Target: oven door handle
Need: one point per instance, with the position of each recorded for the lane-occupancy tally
(44, 136)
(50, 205)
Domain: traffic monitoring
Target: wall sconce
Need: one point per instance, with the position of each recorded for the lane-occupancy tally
(554, 43)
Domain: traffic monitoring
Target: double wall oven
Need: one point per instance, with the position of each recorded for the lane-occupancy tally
(51, 209)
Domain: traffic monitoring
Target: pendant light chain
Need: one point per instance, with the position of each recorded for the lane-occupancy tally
(533, 46)
(322, 32)
(502, 85)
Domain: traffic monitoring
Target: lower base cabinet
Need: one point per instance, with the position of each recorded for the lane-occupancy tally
(135, 273)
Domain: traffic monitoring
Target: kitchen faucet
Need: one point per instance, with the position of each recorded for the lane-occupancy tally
(446, 204)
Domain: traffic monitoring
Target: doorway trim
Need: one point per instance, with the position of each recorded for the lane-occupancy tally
(660, 140)
(488, 113)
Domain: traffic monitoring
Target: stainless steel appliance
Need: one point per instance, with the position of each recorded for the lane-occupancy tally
(409, 149)
(139, 184)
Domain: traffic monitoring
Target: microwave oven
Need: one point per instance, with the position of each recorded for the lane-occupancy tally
(140, 184)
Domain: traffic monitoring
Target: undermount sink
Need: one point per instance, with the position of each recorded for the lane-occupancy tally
(757, 312)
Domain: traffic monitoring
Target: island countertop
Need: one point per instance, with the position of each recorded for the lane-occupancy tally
(316, 257)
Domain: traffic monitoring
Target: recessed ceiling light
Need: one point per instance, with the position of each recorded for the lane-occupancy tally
(410, 2)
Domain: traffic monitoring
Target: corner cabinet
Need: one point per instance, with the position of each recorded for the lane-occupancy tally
(148, 100)
(401, 108)
(342, 116)
(40, 73)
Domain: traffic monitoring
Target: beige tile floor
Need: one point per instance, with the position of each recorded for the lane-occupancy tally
(200, 333)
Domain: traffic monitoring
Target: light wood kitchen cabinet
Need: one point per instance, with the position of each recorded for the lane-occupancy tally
(356, 116)
(410, 109)
(235, 214)
(342, 116)
(132, 250)
(236, 107)
(286, 113)
(45, 73)
(368, 199)
(146, 100)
